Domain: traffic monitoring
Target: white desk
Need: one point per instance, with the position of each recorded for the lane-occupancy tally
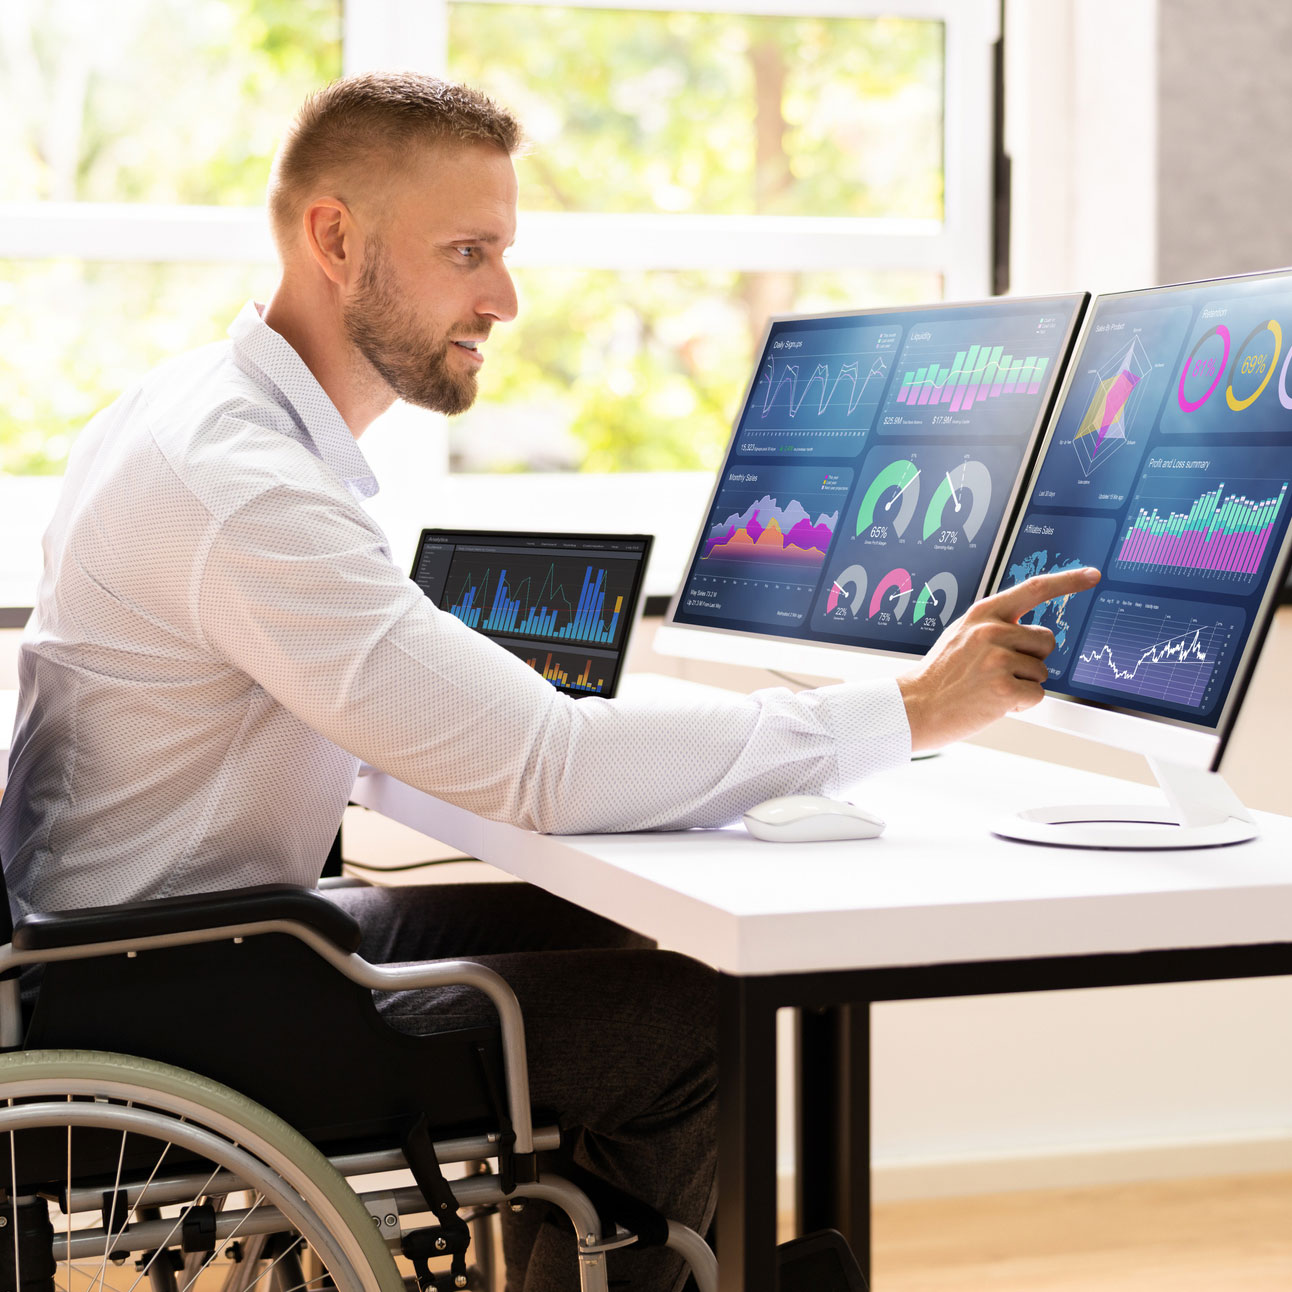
(937, 907)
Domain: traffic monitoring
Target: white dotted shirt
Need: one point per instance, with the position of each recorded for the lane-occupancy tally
(220, 634)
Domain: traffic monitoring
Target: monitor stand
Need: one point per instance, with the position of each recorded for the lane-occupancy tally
(1201, 812)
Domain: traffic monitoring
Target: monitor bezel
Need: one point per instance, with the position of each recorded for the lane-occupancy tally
(1154, 735)
(813, 655)
(539, 538)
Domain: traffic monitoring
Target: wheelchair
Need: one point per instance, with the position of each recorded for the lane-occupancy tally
(202, 1088)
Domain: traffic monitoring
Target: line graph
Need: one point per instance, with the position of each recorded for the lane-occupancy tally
(816, 389)
(1168, 651)
(788, 380)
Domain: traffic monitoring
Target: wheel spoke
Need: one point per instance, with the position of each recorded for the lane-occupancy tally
(13, 1203)
(69, 1214)
(179, 1220)
(141, 1146)
(291, 1247)
(246, 1215)
(108, 1235)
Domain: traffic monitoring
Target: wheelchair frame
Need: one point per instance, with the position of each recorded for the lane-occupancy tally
(57, 1096)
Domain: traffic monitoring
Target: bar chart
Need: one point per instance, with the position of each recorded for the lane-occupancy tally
(1193, 523)
(1223, 532)
(978, 373)
(569, 601)
(981, 376)
(564, 672)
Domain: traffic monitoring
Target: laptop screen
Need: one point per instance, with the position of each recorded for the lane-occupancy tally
(565, 604)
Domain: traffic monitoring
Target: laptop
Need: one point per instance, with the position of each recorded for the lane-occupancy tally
(564, 604)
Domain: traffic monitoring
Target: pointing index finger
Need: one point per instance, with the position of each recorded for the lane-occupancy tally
(1017, 601)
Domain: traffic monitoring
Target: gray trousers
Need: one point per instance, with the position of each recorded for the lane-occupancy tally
(622, 1049)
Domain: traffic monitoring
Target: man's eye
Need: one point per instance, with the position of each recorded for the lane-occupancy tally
(468, 253)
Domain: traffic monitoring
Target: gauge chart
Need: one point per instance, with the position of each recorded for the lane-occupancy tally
(935, 603)
(889, 502)
(1232, 378)
(846, 593)
(961, 501)
(892, 596)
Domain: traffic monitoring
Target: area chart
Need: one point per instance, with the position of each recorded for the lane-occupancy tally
(769, 532)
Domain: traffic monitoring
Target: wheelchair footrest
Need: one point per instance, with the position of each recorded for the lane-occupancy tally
(421, 1246)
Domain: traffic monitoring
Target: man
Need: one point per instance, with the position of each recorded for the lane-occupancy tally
(220, 633)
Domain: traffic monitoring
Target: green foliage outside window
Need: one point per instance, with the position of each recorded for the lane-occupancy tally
(182, 101)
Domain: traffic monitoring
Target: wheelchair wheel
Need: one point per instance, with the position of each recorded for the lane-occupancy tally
(117, 1172)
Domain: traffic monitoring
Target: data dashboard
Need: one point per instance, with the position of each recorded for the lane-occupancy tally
(871, 468)
(1167, 466)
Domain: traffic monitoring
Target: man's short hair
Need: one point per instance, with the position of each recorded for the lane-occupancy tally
(360, 121)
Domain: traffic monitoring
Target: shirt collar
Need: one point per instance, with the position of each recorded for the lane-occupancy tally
(256, 346)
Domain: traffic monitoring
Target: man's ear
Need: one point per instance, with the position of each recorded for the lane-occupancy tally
(332, 237)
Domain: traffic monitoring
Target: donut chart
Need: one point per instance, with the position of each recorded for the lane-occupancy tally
(847, 592)
(1252, 361)
(926, 603)
(973, 476)
(892, 594)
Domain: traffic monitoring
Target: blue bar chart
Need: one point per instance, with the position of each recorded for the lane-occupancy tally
(560, 603)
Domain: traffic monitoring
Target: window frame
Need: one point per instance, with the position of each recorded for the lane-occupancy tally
(379, 33)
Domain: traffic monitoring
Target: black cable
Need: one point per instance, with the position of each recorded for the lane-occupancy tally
(411, 865)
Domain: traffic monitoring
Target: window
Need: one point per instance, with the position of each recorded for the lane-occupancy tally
(692, 170)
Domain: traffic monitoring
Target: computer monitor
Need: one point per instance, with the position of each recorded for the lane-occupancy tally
(862, 494)
(1167, 465)
(565, 604)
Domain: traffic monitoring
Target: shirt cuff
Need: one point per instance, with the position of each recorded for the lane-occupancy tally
(870, 728)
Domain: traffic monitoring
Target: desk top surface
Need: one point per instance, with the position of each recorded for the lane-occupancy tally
(937, 887)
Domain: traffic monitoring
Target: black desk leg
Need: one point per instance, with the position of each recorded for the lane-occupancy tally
(833, 1181)
(746, 1137)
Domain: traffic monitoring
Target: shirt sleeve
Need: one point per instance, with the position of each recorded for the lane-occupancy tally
(298, 593)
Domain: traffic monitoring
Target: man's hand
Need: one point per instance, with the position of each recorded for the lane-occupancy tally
(986, 664)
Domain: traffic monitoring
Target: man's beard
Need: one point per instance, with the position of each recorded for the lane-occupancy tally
(383, 329)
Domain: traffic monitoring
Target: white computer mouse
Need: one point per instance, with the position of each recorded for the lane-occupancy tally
(811, 818)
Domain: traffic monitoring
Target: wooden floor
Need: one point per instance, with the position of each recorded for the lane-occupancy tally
(1218, 1235)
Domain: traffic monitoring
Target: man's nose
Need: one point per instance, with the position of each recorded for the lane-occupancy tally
(500, 302)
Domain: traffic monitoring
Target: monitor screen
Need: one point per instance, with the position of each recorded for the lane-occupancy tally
(1167, 465)
(565, 604)
(872, 464)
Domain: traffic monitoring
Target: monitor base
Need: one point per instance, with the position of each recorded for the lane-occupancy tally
(1201, 812)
